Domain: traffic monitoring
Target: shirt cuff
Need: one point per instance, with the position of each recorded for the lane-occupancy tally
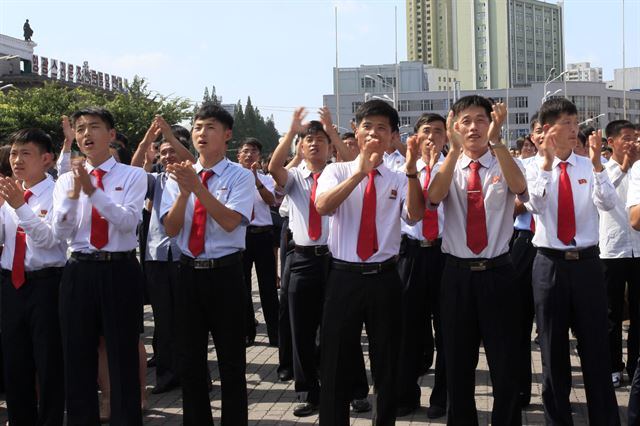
(24, 212)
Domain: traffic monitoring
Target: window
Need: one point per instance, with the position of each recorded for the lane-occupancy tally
(426, 105)
(355, 106)
(521, 102)
(403, 105)
(405, 121)
(367, 83)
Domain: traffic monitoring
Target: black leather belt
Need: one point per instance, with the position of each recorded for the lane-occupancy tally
(478, 265)
(103, 256)
(588, 253)
(259, 229)
(364, 268)
(220, 262)
(525, 232)
(312, 250)
(39, 274)
(421, 243)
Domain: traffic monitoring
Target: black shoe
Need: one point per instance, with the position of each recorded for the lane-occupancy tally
(405, 410)
(524, 400)
(250, 341)
(285, 374)
(151, 362)
(165, 387)
(305, 409)
(435, 412)
(361, 405)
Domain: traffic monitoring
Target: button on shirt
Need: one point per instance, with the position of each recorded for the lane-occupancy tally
(391, 189)
(591, 192)
(120, 203)
(44, 249)
(394, 161)
(158, 243)
(233, 186)
(415, 231)
(298, 190)
(498, 205)
(261, 211)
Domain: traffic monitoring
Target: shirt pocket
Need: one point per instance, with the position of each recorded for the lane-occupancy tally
(495, 197)
(222, 195)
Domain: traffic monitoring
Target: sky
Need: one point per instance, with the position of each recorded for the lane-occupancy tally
(279, 52)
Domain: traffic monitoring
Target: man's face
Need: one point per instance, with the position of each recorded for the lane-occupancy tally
(430, 135)
(93, 136)
(528, 149)
(315, 147)
(28, 162)
(352, 144)
(621, 142)
(565, 132)
(167, 154)
(375, 132)
(537, 134)
(210, 137)
(248, 155)
(473, 124)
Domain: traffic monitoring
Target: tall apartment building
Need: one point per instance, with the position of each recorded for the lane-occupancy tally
(490, 43)
(583, 71)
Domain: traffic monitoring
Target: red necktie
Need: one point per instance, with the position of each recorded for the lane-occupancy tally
(99, 225)
(566, 213)
(476, 218)
(17, 269)
(198, 225)
(315, 225)
(430, 218)
(368, 236)
(532, 225)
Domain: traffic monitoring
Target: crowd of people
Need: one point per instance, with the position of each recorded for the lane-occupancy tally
(436, 245)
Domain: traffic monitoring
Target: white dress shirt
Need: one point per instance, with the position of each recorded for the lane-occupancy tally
(498, 206)
(591, 192)
(120, 203)
(394, 161)
(344, 226)
(261, 210)
(633, 193)
(44, 249)
(415, 231)
(158, 242)
(522, 222)
(234, 187)
(298, 190)
(63, 165)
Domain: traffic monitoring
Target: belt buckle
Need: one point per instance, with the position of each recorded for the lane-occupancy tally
(478, 265)
(426, 243)
(572, 255)
(371, 269)
(318, 250)
(201, 264)
(105, 256)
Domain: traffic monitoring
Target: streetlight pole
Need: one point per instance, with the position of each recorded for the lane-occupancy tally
(337, 73)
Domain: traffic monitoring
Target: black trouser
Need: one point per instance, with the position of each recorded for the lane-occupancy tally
(522, 254)
(285, 346)
(162, 279)
(633, 412)
(306, 295)
(572, 293)
(352, 298)
(33, 349)
(259, 250)
(479, 306)
(420, 270)
(101, 299)
(212, 301)
(618, 274)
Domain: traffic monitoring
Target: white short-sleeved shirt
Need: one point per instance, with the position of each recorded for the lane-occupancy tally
(394, 161)
(415, 231)
(261, 211)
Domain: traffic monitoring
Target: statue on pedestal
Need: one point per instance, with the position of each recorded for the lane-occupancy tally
(28, 32)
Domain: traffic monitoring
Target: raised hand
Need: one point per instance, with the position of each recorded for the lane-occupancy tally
(498, 116)
(453, 134)
(368, 159)
(413, 154)
(69, 135)
(595, 149)
(326, 120)
(81, 174)
(185, 175)
(152, 132)
(433, 155)
(547, 149)
(11, 191)
(297, 125)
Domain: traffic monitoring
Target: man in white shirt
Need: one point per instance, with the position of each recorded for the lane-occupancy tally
(97, 208)
(566, 192)
(620, 251)
(420, 267)
(32, 262)
(478, 296)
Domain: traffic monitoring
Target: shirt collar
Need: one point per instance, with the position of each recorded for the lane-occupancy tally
(420, 164)
(306, 172)
(105, 166)
(41, 186)
(485, 160)
(571, 160)
(218, 168)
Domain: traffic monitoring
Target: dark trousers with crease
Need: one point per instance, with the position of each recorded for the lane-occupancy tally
(522, 255)
(479, 306)
(621, 274)
(352, 298)
(572, 293)
(285, 346)
(161, 280)
(259, 251)
(33, 350)
(212, 301)
(101, 298)
(420, 270)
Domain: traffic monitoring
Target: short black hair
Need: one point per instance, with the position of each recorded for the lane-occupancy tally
(614, 128)
(427, 118)
(251, 142)
(583, 134)
(552, 109)
(122, 138)
(472, 101)
(182, 134)
(99, 112)
(535, 119)
(521, 141)
(124, 154)
(378, 107)
(32, 135)
(313, 128)
(347, 135)
(211, 110)
(5, 163)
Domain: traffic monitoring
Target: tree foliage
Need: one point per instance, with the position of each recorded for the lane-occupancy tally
(250, 123)
(43, 107)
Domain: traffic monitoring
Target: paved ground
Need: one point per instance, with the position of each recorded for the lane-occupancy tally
(271, 402)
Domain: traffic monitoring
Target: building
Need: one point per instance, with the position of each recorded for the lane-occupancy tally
(583, 71)
(473, 36)
(629, 78)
